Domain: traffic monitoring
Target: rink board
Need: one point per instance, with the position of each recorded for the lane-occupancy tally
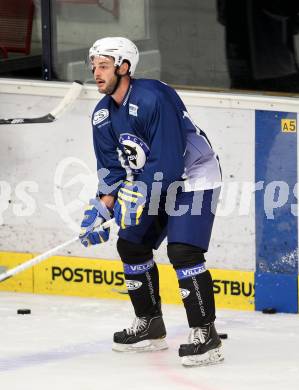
(99, 278)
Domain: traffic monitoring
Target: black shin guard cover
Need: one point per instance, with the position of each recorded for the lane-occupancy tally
(198, 298)
(142, 282)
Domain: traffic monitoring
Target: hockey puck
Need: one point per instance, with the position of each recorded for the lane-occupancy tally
(223, 335)
(269, 310)
(24, 311)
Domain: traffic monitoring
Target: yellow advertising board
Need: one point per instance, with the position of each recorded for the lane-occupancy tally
(80, 277)
(75, 276)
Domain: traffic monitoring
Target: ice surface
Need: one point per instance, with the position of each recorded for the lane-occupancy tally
(65, 344)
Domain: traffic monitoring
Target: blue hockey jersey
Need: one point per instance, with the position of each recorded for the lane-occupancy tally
(151, 131)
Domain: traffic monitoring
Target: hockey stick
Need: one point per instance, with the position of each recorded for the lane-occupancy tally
(13, 271)
(65, 103)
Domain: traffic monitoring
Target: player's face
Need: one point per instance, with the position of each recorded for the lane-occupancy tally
(104, 73)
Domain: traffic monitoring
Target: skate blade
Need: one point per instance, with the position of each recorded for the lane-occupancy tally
(142, 346)
(214, 356)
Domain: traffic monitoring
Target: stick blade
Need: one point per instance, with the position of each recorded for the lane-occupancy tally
(23, 121)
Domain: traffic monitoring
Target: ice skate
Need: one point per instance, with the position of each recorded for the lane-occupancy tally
(204, 347)
(145, 334)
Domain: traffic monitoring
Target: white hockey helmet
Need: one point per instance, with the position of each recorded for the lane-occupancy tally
(117, 47)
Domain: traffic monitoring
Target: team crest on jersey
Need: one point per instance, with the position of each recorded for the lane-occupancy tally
(135, 150)
(100, 116)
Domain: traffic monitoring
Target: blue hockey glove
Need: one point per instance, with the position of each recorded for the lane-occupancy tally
(94, 215)
(129, 205)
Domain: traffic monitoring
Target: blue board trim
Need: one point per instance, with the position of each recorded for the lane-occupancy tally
(276, 224)
(278, 291)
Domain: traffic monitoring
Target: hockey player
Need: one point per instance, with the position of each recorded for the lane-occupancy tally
(153, 163)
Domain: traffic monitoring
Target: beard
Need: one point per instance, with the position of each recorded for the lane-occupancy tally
(109, 87)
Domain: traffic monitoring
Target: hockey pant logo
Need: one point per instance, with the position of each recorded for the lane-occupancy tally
(133, 284)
